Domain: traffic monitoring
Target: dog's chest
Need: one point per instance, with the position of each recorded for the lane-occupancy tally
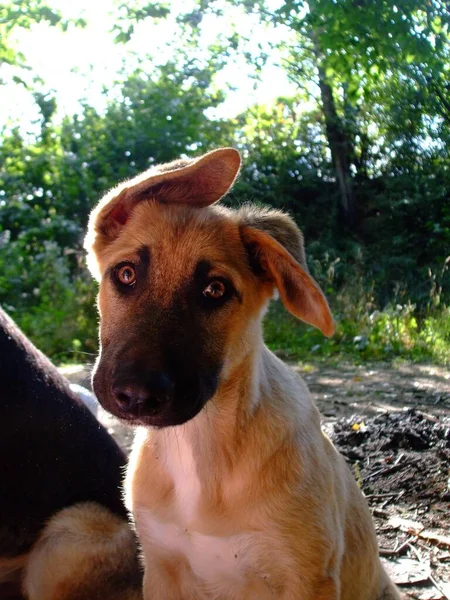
(223, 565)
(205, 554)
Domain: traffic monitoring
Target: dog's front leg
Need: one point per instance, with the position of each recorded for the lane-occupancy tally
(168, 579)
(328, 590)
(159, 586)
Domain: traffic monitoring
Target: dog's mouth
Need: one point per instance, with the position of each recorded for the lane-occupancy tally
(159, 418)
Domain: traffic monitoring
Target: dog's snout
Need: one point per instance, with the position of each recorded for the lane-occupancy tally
(143, 394)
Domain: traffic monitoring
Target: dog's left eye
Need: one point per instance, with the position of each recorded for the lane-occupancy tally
(215, 290)
(126, 275)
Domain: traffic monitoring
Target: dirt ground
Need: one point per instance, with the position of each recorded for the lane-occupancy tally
(392, 424)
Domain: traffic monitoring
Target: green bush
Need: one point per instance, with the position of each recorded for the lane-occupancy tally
(395, 332)
(54, 308)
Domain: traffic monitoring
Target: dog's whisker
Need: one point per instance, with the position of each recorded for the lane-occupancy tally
(87, 379)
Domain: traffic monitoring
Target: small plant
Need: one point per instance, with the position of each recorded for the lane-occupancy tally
(385, 334)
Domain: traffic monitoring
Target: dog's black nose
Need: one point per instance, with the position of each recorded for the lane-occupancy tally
(142, 394)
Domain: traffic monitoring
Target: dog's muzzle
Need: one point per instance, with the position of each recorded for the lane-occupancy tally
(155, 398)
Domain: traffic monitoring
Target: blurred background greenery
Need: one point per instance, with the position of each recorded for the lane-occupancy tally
(341, 109)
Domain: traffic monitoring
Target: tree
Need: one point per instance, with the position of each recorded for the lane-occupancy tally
(24, 14)
(347, 50)
(377, 113)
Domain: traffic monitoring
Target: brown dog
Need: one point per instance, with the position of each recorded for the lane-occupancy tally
(64, 531)
(235, 491)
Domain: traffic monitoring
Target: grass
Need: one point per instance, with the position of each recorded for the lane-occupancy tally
(396, 332)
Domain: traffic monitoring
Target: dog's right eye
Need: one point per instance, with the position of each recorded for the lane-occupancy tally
(215, 290)
(216, 293)
(126, 275)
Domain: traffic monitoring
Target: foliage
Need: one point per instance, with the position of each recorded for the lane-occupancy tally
(48, 187)
(379, 336)
(130, 13)
(386, 68)
(364, 331)
(23, 14)
(356, 58)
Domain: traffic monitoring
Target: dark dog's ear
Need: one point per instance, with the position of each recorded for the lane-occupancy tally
(275, 247)
(198, 182)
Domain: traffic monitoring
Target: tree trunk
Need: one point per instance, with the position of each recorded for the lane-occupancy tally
(338, 142)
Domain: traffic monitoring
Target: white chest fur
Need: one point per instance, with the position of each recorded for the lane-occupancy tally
(180, 464)
(223, 567)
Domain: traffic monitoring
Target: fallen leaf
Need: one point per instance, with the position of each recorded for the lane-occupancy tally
(407, 525)
(435, 537)
(429, 594)
(405, 571)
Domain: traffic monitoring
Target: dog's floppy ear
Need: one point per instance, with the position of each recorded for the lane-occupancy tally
(275, 247)
(198, 182)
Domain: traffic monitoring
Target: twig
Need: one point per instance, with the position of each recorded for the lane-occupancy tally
(386, 502)
(388, 470)
(381, 513)
(430, 576)
(396, 551)
(427, 416)
(372, 496)
(399, 458)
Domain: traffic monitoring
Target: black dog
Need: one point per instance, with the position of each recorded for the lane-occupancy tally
(54, 454)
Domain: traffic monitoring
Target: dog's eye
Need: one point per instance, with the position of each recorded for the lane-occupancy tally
(126, 275)
(215, 290)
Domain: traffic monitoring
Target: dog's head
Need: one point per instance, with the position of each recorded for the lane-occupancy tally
(183, 284)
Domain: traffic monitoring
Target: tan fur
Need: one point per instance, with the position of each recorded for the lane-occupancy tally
(214, 173)
(84, 553)
(11, 569)
(248, 499)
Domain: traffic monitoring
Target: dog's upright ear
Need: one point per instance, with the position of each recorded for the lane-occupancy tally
(198, 182)
(275, 247)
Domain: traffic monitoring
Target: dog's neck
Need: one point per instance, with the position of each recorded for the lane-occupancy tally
(217, 437)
